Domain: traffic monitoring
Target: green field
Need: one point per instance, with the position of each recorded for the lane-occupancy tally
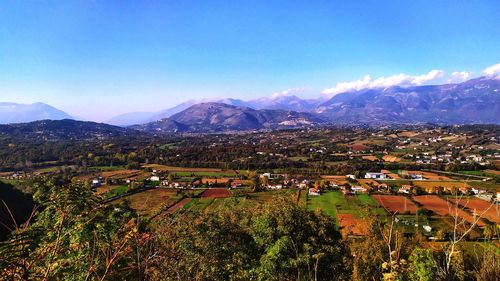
(333, 202)
(198, 204)
(205, 174)
(490, 186)
(117, 191)
(107, 168)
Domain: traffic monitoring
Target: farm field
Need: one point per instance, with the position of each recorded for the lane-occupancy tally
(447, 185)
(395, 203)
(148, 202)
(103, 189)
(492, 212)
(114, 190)
(120, 173)
(177, 206)
(442, 207)
(333, 203)
(216, 193)
(180, 169)
(350, 224)
(394, 176)
(431, 176)
(485, 185)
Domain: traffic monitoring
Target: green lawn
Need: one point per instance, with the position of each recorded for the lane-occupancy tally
(117, 191)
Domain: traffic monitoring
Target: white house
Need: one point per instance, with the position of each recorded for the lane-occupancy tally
(405, 189)
(154, 178)
(358, 189)
(96, 183)
(377, 176)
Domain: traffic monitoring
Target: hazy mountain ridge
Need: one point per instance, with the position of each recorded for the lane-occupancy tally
(19, 113)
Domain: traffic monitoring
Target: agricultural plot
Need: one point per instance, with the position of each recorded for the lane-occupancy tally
(443, 208)
(478, 206)
(430, 176)
(430, 186)
(177, 206)
(394, 203)
(393, 176)
(350, 224)
(216, 193)
(114, 190)
(198, 204)
(180, 169)
(367, 183)
(120, 173)
(391, 158)
(147, 203)
(490, 186)
(333, 203)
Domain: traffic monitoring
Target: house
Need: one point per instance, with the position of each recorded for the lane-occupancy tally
(358, 189)
(353, 177)
(418, 177)
(477, 191)
(405, 188)
(154, 178)
(275, 186)
(95, 183)
(427, 228)
(314, 191)
(377, 176)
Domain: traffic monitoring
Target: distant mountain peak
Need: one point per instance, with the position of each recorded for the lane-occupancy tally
(20, 113)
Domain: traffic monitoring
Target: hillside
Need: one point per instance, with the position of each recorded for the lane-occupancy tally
(63, 129)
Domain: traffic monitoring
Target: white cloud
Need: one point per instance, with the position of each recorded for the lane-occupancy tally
(402, 79)
(290, 92)
(459, 76)
(493, 70)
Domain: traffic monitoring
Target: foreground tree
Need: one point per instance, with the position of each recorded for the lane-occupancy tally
(72, 238)
(278, 241)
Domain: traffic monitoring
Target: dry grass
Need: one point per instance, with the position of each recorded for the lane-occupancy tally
(369, 157)
(447, 185)
(148, 202)
(391, 158)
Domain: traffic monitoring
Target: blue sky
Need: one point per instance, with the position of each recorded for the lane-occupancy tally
(95, 59)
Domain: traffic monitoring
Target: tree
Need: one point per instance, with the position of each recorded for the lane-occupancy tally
(74, 237)
(422, 265)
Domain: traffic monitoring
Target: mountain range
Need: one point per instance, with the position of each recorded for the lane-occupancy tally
(213, 116)
(470, 102)
(19, 113)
